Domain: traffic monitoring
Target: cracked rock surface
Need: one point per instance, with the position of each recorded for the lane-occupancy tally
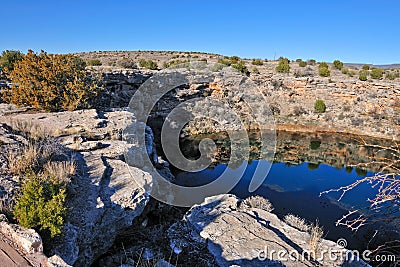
(252, 240)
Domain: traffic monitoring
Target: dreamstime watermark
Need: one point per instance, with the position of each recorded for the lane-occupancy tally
(331, 254)
(235, 105)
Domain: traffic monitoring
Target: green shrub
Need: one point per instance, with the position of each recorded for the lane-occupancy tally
(94, 62)
(324, 72)
(216, 67)
(51, 82)
(8, 59)
(257, 62)
(299, 60)
(148, 64)
(323, 65)
(240, 66)
(234, 59)
(311, 62)
(392, 75)
(323, 69)
(363, 75)
(345, 70)
(376, 73)
(224, 61)
(283, 65)
(255, 70)
(338, 64)
(302, 64)
(174, 63)
(41, 205)
(315, 144)
(351, 73)
(365, 67)
(319, 106)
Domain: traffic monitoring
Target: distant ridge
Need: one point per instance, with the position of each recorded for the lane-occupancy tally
(360, 65)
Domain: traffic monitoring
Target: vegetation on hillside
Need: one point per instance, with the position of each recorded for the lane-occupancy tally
(302, 63)
(257, 62)
(94, 62)
(338, 64)
(323, 70)
(51, 82)
(376, 73)
(363, 75)
(228, 61)
(41, 203)
(148, 64)
(283, 66)
(240, 66)
(319, 106)
(8, 59)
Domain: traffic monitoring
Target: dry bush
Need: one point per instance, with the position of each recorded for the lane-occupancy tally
(25, 161)
(32, 157)
(316, 234)
(60, 171)
(385, 205)
(259, 202)
(297, 222)
(29, 129)
(51, 82)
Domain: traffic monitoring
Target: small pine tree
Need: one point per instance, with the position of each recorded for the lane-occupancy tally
(41, 205)
(302, 64)
(319, 106)
(283, 65)
(312, 62)
(323, 69)
(376, 73)
(9, 58)
(240, 66)
(363, 75)
(366, 67)
(338, 64)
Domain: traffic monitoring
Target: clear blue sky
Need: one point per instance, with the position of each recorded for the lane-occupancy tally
(365, 31)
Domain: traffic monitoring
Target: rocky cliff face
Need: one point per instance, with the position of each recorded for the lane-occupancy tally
(362, 107)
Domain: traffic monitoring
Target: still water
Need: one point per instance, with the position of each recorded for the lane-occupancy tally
(304, 166)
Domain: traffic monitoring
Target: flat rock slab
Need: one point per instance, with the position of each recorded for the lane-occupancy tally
(10, 257)
(237, 235)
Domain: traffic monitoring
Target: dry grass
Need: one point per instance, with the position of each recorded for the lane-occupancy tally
(297, 222)
(30, 129)
(259, 202)
(384, 206)
(32, 157)
(316, 234)
(60, 171)
(24, 161)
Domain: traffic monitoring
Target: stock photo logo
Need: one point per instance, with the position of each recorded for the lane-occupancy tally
(235, 106)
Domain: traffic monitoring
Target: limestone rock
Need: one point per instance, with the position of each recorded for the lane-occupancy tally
(237, 235)
(27, 239)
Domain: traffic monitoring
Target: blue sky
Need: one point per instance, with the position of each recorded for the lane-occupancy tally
(365, 31)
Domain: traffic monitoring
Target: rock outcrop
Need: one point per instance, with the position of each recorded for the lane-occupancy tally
(104, 197)
(239, 235)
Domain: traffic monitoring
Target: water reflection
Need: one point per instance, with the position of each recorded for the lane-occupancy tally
(304, 166)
